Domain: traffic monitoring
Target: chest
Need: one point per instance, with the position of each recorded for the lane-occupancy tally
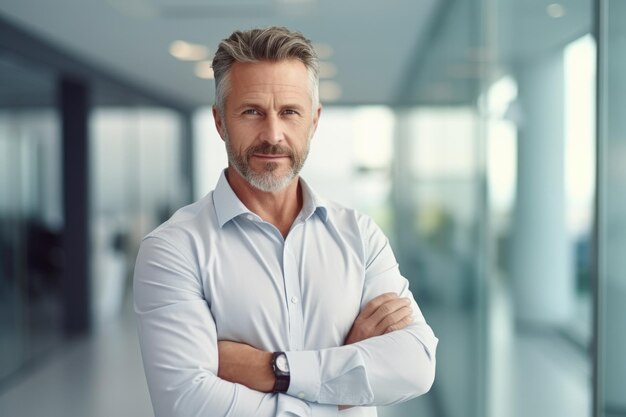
(302, 292)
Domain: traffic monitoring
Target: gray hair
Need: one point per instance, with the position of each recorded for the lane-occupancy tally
(266, 44)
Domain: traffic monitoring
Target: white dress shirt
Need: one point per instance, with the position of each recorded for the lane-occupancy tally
(217, 271)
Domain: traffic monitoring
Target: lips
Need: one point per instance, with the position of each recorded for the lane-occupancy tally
(270, 156)
(269, 152)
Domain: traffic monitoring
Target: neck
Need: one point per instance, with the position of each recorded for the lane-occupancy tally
(279, 208)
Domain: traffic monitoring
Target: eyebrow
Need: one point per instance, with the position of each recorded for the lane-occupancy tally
(248, 104)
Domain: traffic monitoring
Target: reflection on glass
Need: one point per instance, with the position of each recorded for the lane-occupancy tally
(31, 219)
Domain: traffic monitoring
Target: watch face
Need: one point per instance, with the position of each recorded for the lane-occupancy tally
(282, 364)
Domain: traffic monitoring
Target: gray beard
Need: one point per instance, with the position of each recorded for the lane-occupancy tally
(266, 180)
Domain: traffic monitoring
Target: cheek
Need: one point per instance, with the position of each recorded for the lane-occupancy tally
(240, 137)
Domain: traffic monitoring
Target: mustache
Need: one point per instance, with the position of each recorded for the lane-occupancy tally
(267, 149)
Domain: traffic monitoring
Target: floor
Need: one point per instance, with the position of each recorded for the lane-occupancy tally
(101, 376)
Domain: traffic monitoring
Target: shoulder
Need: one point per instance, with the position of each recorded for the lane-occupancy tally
(187, 225)
(351, 221)
(348, 215)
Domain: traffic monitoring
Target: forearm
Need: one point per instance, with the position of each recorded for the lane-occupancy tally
(246, 365)
(370, 370)
(378, 371)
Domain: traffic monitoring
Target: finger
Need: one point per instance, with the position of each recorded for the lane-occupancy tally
(388, 308)
(399, 325)
(396, 318)
(376, 302)
(393, 318)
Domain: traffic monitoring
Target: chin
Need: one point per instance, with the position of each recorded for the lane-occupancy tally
(270, 183)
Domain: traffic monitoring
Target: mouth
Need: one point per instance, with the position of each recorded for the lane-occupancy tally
(271, 157)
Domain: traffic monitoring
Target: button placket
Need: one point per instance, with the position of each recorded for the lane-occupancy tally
(292, 295)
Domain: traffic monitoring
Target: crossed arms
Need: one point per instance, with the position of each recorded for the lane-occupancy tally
(246, 365)
(192, 373)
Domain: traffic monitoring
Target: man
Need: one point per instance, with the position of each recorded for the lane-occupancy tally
(262, 299)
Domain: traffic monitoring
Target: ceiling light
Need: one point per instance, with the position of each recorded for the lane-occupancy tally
(330, 91)
(186, 51)
(327, 69)
(204, 70)
(324, 50)
(555, 10)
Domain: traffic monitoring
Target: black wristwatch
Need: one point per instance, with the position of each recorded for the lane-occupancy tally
(280, 366)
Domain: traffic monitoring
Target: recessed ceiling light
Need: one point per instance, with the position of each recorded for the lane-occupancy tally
(204, 70)
(330, 91)
(186, 51)
(327, 69)
(555, 10)
(324, 50)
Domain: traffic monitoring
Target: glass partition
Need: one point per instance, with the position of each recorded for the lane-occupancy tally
(612, 213)
(538, 109)
(136, 185)
(31, 215)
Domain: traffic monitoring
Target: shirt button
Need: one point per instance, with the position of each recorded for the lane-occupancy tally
(294, 299)
(301, 395)
(250, 217)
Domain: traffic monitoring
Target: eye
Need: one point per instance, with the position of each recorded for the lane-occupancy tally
(291, 112)
(251, 111)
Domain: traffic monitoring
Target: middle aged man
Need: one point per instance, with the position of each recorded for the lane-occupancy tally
(263, 299)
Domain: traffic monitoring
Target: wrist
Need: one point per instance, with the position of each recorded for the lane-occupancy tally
(280, 369)
(266, 375)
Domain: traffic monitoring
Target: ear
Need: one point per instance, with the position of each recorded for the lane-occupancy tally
(316, 119)
(219, 122)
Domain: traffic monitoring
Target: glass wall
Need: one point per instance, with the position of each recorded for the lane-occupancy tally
(136, 179)
(31, 214)
(612, 213)
(538, 110)
(137, 184)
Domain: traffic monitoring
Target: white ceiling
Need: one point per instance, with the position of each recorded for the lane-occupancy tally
(372, 41)
(391, 52)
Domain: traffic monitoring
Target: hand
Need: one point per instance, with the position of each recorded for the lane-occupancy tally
(245, 365)
(383, 314)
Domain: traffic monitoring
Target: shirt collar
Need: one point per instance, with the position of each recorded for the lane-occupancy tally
(228, 206)
(312, 203)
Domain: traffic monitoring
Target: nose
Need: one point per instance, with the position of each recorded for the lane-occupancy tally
(272, 132)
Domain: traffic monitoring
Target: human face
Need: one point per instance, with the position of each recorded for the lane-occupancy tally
(268, 122)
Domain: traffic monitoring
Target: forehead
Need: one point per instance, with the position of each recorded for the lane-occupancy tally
(287, 77)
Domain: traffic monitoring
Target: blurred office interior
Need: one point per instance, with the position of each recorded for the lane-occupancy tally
(486, 137)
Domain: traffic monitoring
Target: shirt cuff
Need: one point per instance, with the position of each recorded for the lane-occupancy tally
(324, 410)
(305, 379)
(287, 406)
